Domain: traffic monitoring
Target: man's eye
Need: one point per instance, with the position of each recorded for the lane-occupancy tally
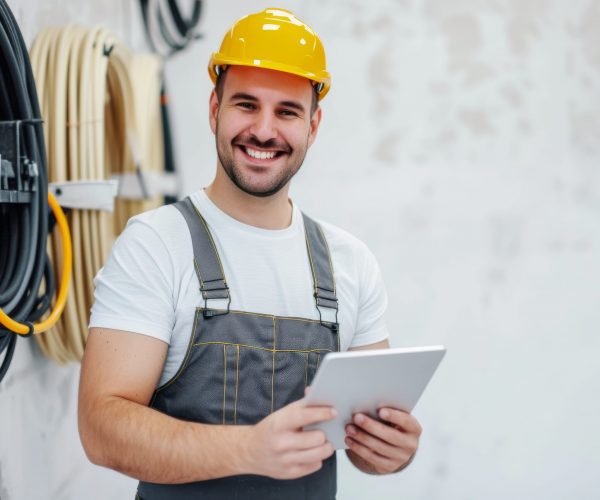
(246, 105)
(287, 112)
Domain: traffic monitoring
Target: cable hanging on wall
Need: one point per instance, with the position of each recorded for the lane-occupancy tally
(168, 32)
(27, 284)
(134, 134)
(167, 29)
(102, 108)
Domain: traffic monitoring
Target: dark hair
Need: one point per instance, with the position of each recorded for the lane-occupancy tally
(222, 73)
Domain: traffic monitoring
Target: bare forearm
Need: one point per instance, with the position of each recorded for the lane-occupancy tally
(151, 446)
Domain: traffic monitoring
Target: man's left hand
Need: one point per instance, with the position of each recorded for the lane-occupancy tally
(387, 445)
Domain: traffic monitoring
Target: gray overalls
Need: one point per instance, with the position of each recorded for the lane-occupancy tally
(241, 366)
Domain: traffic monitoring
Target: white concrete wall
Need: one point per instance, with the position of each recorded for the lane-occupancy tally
(461, 141)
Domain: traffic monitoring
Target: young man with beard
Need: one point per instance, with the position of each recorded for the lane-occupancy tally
(212, 315)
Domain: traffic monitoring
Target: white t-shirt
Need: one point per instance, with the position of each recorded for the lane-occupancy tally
(148, 284)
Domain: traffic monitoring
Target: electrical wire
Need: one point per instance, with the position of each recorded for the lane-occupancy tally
(70, 68)
(26, 285)
(134, 116)
(167, 30)
(101, 101)
(50, 321)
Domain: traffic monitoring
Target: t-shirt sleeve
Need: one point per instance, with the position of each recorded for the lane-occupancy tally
(373, 301)
(134, 289)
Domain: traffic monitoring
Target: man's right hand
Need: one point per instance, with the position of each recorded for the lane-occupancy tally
(278, 446)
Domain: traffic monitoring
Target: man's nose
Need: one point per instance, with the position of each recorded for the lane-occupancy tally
(263, 127)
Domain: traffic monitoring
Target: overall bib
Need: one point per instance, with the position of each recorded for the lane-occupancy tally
(241, 366)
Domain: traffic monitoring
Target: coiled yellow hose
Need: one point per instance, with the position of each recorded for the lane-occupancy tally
(65, 281)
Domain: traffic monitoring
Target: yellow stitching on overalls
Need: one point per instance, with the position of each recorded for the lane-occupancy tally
(328, 256)
(211, 241)
(237, 367)
(273, 372)
(197, 267)
(270, 316)
(215, 342)
(224, 378)
(181, 368)
(312, 266)
(318, 360)
(306, 371)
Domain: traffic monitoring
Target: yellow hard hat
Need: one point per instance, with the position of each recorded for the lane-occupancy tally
(274, 39)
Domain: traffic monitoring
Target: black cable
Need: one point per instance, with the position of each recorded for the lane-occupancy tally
(168, 152)
(24, 261)
(185, 27)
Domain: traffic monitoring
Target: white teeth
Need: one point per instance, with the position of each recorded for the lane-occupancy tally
(260, 155)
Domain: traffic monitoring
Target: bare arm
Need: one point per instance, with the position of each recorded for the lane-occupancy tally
(119, 373)
(382, 447)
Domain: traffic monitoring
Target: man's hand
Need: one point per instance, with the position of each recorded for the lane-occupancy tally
(386, 446)
(281, 449)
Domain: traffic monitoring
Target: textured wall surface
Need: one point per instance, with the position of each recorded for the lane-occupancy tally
(460, 140)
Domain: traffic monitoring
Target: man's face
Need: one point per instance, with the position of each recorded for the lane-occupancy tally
(263, 127)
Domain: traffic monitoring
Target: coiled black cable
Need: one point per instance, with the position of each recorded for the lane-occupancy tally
(167, 30)
(23, 226)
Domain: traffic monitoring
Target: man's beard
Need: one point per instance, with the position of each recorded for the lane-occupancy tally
(234, 173)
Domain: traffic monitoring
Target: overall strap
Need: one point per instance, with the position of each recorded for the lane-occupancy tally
(206, 258)
(322, 269)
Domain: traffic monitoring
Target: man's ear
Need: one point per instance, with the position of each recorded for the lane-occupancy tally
(213, 110)
(315, 120)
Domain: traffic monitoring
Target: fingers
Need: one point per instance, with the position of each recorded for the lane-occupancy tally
(401, 419)
(299, 415)
(376, 444)
(381, 463)
(310, 439)
(319, 454)
(381, 430)
(385, 445)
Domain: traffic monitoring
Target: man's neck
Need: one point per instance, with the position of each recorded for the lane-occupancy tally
(271, 212)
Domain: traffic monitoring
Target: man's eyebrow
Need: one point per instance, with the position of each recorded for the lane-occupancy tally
(293, 104)
(241, 96)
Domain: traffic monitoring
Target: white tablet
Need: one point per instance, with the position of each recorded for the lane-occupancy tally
(363, 381)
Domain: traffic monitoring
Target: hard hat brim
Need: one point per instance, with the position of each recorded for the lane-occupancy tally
(218, 59)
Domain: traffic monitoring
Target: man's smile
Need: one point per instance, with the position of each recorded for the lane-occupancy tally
(260, 155)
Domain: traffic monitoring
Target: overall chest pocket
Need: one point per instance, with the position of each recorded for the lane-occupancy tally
(243, 366)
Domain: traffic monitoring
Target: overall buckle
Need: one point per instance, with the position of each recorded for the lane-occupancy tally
(218, 291)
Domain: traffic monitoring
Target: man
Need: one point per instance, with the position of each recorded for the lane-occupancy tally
(212, 315)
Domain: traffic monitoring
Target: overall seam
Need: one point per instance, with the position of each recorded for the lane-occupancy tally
(273, 371)
(237, 366)
(183, 364)
(262, 348)
(211, 241)
(328, 256)
(306, 372)
(224, 378)
(312, 266)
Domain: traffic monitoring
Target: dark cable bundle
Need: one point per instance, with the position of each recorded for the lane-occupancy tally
(169, 153)
(168, 31)
(23, 217)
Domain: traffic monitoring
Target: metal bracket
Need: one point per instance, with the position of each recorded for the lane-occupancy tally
(86, 195)
(143, 185)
